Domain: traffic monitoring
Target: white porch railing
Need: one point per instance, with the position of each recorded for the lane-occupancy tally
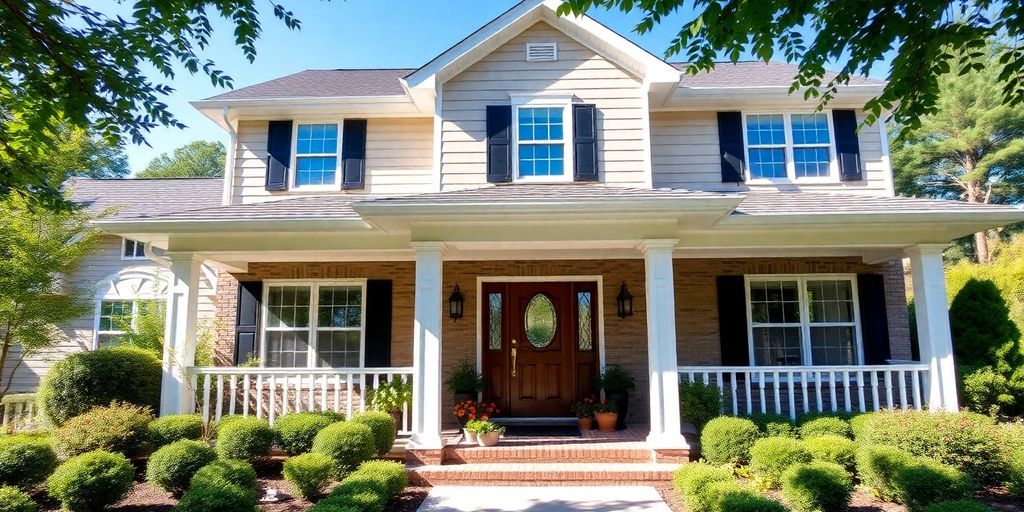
(20, 412)
(793, 390)
(271, 392)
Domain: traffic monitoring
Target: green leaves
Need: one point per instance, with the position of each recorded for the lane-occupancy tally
(197, 159)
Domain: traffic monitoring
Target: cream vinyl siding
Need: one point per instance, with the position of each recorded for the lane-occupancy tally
(94, 277)
(684, 154)
(398, 159)
(617, 94)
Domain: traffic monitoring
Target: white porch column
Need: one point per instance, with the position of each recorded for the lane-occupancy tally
(426, 347)
(666, 430)
(933, 334)
(176, 393)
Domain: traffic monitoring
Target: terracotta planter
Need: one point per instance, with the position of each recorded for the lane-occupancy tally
(621, 399)
(586, 423)
(470, 436)
(488, 439)
(606, 421)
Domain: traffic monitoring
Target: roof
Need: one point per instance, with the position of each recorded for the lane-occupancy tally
(766, 204)
(324, 83)
(320, 207)
(143, 198)
(755, 74)
(545, 193)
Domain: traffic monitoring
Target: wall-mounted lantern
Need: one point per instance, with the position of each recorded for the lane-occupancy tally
(456, 302)
(624, 302)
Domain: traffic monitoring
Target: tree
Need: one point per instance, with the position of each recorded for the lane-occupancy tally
(83, 154)
(970, 148)
(197, 159)
(64, 63)
(930, 38)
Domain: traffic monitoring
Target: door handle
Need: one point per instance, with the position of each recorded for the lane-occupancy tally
(514, 358)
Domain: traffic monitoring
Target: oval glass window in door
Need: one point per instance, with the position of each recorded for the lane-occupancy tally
(540, 321)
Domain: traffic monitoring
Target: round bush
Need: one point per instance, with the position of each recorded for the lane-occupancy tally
(692, 482)
(84, 380)
(877, 465)
(294, 433)
(825, 426)
(834, 449)
(235, 472)
(859, 425)
(958, 506)
(727, 440)
(172, 467)
(925, 481)
(774, 425)
(222, 422)
(91, 481)
(383, 427)
(244, 438)
(817, 487)
(748, 501)
(349, 444)
(309, 474)
(25, 461)
(166, 430)
(13, 500)
(1015, 484)
(217, 496)
(118, 427)
(771, 456)
(390, 474)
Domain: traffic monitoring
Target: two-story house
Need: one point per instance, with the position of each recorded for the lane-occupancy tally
(543, 199)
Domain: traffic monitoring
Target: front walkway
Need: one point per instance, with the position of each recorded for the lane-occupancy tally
(544, 499)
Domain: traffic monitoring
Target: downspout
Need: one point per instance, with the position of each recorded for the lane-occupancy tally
(229, 160)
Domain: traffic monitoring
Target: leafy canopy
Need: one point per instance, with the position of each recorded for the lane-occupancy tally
(197, 159)
(930, 38)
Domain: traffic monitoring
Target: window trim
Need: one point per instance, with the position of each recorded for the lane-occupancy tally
(294, 168)
(314, 300)
(805, 324)
(550, 101)
(787, 123)
(133, 257)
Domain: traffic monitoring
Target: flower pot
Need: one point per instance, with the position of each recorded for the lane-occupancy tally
(470, 436)
(606, 421)
(621, 399)
(488, 439)
(586, 423)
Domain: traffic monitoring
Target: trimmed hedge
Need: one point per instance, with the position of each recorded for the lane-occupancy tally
(859, 425)
(817, 487)
(771, 456)
(235, 472)
(692, 481)
(1015, 483)
(926, 481)
(244, 438)
(87, 379)
(13, 500)
(309, 474)
(172, 467)
(774, 425)
(748, 501)
(877, 466)
(834, 449)
(294, 433)
(164, 431)
(699, 403)
(348, 443)
(25, 461)
(383, 427)
(825, 426)
(368, 489)
(118, 427)
(91, 481)
(958, 506)
(728, 440)
(217, 496)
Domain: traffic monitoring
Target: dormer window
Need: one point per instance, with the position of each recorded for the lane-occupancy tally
(316, 156)
(542, 127)
(790, 147)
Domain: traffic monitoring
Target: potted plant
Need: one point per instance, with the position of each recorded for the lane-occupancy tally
(472, 410)
(470, 430)
(391, 396)
(487, 433)
(616, 382)
(464, 382)
(584, 411)
(606, 415)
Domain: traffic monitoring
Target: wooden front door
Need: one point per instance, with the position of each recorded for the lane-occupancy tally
(539, 345)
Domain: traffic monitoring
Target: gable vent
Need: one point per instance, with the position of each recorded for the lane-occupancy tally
(538, 52)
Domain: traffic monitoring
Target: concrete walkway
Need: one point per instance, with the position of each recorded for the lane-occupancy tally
(543, 499)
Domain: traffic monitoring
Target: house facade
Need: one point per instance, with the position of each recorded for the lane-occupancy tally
(544, 199)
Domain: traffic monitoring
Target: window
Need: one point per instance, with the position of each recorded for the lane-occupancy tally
(789, 146)
(803, 320)
(132, 249)
(115, 315)
(541, 149)
(314, 325)
(316, 155)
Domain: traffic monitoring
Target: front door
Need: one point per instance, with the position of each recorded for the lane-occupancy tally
(539, 345)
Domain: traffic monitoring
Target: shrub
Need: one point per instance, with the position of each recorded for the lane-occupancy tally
(13, 500)
(727, 440)
(294, 433)
(983, 333)
(309, 474)
(91, 481)
(957, 506)
(825, 426)
(748, 501)
(25, 461)
(118, 427)
(616, 379)
(84, 380)
(925, 481)
(771, 456)
(692, 482)
(349, 444)
(774, 425)
(223, 422)
(699, 403)
(834, 449)
(235, 472)
(817, 487)
(172, 467)
(166, 430)
(1015, 484)
(383, 427)
(464, 378)
(390, 474)
(245, 438)
(217, 496)
(877, 465)
(859, 425)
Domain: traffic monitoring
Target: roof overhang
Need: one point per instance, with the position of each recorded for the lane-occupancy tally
(290, 108)
(754, 97)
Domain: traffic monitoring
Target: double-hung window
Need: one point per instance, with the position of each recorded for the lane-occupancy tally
(116, 316)
(314, 324)
(542, 129)
(316, 156)
(803, 320)
(789, 146)
(132, 249)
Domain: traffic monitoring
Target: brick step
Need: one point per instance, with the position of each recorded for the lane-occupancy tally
(468, 454)
(542, 474)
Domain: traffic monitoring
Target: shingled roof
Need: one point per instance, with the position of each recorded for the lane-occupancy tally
(146, 198)
(324, 83)
(755, 74)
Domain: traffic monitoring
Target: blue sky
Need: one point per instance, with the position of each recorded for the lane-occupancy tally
(347, 34)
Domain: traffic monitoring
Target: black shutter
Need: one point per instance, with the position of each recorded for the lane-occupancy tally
(584, 140)
(279, 154)
(874, 322)
(847, 146)
(730, 144)
(353, 154)
(378, 323)
(499, 143)
(247, 319)
(732, 320)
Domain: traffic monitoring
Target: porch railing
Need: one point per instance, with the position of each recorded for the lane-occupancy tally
(793, 390)
(271, 392)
